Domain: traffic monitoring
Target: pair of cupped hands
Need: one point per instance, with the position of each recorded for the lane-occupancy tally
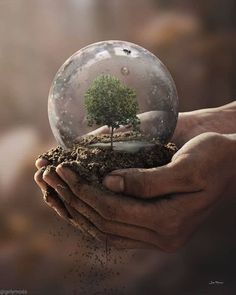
(148, 208)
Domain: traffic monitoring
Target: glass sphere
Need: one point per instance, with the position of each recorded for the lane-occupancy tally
(135, 67)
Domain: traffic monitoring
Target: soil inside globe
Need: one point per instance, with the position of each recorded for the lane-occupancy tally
(92, 158)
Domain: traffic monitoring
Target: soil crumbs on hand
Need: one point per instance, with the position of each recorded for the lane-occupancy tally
(93, 163)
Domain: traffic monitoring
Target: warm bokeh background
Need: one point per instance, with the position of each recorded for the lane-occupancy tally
(38, 252)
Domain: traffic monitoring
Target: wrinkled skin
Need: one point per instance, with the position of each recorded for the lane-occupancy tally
(152, 208)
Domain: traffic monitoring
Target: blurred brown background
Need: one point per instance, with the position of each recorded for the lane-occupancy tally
(38, 252)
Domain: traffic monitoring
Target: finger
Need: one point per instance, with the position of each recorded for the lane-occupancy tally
(52, 199)
(123, 128)
(74, 221)
(80, 221)
(107, 130)
(110, 206)
(57, 205)
(45, 188)
(39, 163)
(154, 182)
(58, 185)
(50, 196)
(54, 202)
(53, 180)
(105, 226)
(100, 130)
(38, 177)
(171, 213)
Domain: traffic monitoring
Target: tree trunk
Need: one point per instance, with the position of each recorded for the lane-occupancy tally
(112, 132)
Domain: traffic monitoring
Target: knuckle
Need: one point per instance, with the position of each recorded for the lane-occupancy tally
(63, 192)
(60, 188)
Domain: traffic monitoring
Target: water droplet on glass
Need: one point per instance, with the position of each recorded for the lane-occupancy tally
(125, 71)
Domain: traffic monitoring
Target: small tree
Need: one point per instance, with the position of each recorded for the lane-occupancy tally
(109, 102)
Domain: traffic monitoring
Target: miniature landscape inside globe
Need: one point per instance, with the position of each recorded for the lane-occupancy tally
(112, 105)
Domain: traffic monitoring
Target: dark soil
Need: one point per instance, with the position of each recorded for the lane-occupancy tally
(93, 163)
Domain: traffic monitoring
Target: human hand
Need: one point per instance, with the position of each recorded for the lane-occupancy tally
(198, 177)
(53, 200)
(190, 124)
(72, 209)
(194, 182)
(49, 195)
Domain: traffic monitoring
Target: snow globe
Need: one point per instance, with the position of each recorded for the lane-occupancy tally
(112, 105)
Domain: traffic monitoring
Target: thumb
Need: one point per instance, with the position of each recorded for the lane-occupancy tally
(149, 183)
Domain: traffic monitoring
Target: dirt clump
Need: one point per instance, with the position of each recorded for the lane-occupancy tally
(92, 163)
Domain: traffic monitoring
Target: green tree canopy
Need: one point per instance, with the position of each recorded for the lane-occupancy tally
(109, 102)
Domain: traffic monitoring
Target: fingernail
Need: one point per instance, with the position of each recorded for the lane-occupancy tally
(114, 183)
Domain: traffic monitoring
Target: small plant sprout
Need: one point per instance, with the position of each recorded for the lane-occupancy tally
(109, 102)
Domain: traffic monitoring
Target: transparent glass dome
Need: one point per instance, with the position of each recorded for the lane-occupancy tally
(135, 67)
